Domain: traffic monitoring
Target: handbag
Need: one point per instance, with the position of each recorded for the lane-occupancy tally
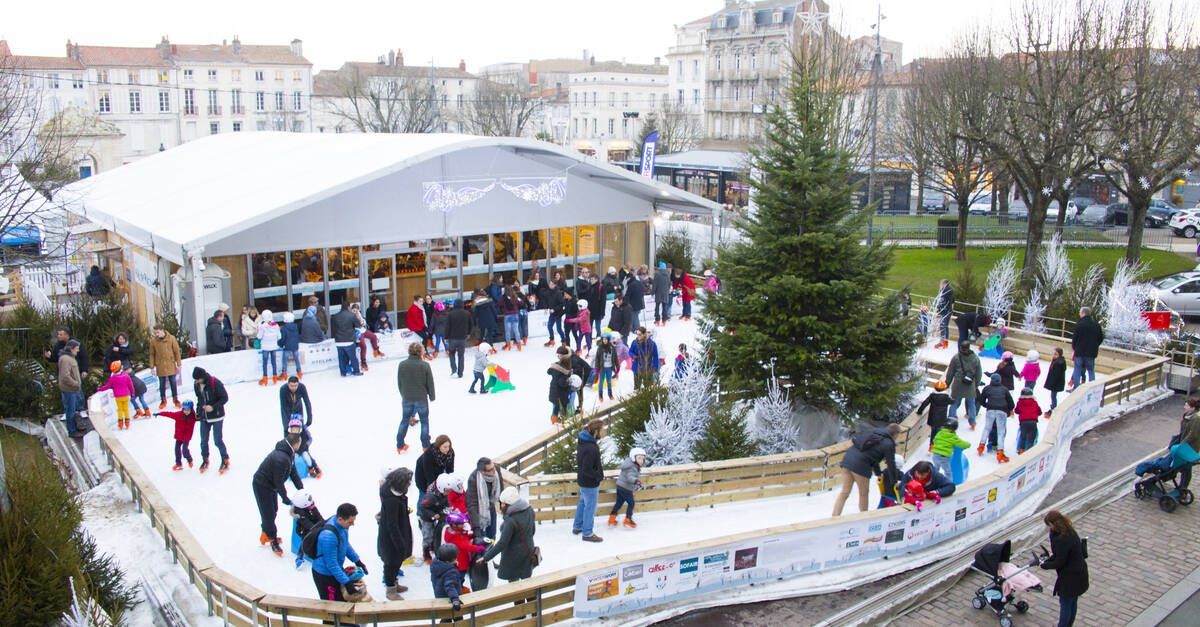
(257, 344)
(535, 554)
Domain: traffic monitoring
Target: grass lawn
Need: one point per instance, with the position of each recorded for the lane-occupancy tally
(922, 268)
(978, 227)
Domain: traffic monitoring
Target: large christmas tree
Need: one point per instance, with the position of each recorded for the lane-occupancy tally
(802, 287)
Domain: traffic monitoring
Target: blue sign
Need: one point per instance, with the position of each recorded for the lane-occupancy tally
(648, 154)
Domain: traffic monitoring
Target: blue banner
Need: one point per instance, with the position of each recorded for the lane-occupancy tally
(648, 154)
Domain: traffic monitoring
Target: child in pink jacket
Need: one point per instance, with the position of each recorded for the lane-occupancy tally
(583, 327)
(1032, 369)
(122, 389)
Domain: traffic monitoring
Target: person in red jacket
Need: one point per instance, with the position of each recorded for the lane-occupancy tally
(185, 425)
(458, 534)
(1028, 411)
(682, 282)
(415, 321)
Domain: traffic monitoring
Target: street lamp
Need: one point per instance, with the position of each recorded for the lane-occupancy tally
(876, 75)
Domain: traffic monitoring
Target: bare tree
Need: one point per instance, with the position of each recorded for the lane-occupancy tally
(1152, 110)
(934, 130)
(387, 101)
(678, 130)
(500, 109)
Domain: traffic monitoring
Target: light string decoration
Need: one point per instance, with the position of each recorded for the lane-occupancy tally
(446, 196)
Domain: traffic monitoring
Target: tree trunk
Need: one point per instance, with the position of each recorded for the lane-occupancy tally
(1138, 205)
(920, 208)
(1001, 199)
(1033, 237)
(960, 241)
(1063, 197)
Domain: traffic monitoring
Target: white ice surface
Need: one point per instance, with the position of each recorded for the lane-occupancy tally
(354, 433)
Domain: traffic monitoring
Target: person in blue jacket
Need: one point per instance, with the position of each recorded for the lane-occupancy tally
(447, 580)
(333, 548)
(644, 354)
(289, 342)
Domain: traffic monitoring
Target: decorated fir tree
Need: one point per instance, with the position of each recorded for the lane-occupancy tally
(675, 426)
(772, 423)
(802, 286)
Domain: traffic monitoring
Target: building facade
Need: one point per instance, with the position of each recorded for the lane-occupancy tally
(609, 103)
(686, 70)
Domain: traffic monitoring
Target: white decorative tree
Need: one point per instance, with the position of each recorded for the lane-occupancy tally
(672, 431)
(1088, 291)
(1125, 303)
(664, 440)
(1054, 269)
(772, 423)
(998, 295)
(1035, 310)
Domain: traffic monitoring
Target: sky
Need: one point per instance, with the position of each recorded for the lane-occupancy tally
(476, 31)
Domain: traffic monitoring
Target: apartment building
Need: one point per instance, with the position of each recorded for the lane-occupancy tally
(609, 102)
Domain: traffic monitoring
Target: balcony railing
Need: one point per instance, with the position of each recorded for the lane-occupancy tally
(214, 110)
(237, 109)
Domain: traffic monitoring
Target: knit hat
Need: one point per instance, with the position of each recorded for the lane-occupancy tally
(199, 373)
(266, 316)
(509, 495)
(289, 317)
(1032, 355)
(662, 265)
(939, 385)
(1027, 393)
(1006, 355)
(995, 379)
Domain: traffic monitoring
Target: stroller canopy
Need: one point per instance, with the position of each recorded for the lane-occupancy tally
(989, 558)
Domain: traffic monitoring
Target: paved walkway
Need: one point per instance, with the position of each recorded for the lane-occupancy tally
(1093, 455)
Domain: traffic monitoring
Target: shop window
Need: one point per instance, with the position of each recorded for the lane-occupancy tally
(476, 252)
(307, 269)
(637, 236)
(562, 253)
(533, 253)
(269, 281)
(612, 246)
(588, 253)
(343, 277)
(506, 255)
(443, 266)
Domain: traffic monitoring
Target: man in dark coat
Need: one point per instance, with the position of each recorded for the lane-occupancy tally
(96, 284)
(662, 294)
(560, 388)
(269, 480)
(458, 329)
(1085, 342)
(486, 316)
(588, 474)
(62, 336)
(210, 406)
(515, 544)
(342, 326)
(395, 542)
(597, 302)
(621, 319)
(414, 378)
(868, 448)
(214, 334)
(635, 296)
(968, 325)
(293, 399)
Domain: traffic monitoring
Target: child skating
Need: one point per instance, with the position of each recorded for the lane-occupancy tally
(628, 481)
(1056, 379)
(582, 327)
(458, 533)
(1032, 369)
(185, 425)
(479, 370)
(305, 464)
(138, 399)
(943, 446)
(999, 405)
(606, 365)
(305, 516)
(447, 580)
(1028, 411)
(938, 403)
(122, 388)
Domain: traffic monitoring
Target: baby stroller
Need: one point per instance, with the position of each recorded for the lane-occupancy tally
(1006, 580)
(1160, 478)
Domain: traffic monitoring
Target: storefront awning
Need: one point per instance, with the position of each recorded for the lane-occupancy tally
(239, 193)
(620, 146)
(582, 144)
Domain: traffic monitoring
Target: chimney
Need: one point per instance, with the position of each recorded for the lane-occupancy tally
(592, 60)
(585, 55)
(297, 48)
(164, 48)
(391, 58)
(224, 42)
(399, 57)
(657, 60)
(70, 50)
(462, 65)
(237, 45)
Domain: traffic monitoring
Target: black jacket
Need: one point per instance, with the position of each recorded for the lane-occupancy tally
(865, 461)
(215, 334)
(995, 396)
(945, 303)
(81, 357)
(294, 404)
(937, 483)
(589, 471)
(372, 317)
(937, 403)
(210, 391)
(1066, 557)
(1087, 338)
(597, 301)
(968, 323)
(621, 319)
(1008, 374)
(343, 325)
(117, 353)
(603, 349)
(428, 468)
(560, 386)
(395, 528)
(486, 313)
(1056, 375)
(635, 294)
(458, 322)
(278, 466)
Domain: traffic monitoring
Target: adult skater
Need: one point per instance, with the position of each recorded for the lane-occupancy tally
(333, 549)
(515, 544)
(560, 387)
(293, 399)
(645, 361)
(214, 332)
(869, 448)
(210, 405)
(1085, 343)
(414, 377)
(589, 473)
(395, 542)
(343, 324)
(434, 462)
(165, 363)
(310, 327)
(458, 329)
(483, 498)
(662, 294)
(269, 480)
(635, 296)
(621, 318)
(964, 376)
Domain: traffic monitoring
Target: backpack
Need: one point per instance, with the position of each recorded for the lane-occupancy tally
(308, 546)
(868, 440)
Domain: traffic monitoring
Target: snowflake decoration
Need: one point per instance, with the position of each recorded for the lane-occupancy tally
(1144, 182)
(1046, 191)
(444, 197)
(812, 20)
(1125, 147)
(551, 191)
(1187, 173)
(1067, 183)
(1197, 147)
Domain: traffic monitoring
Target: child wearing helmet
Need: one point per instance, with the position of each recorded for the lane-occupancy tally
(458, 532)
(938, 402)
(1007, 371)
(1032, 368)
(582, 328)
(629, 480)
(441, 326)
(306, 516)
(122, 388)
(305, 464)
(482, 361)
(443, 496)
(185, 424)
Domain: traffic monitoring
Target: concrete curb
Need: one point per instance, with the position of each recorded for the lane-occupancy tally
(1170, 601)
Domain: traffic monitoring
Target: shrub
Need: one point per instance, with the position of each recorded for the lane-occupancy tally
(560, 456)
(727, 435)
(632, 418)
(675, 248)
(967, 288)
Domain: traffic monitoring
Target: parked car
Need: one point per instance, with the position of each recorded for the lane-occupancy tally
(1180, 292)
(1157, 215)
(933, 202)
(1186, 223)
(981, 206)
(1092, 215)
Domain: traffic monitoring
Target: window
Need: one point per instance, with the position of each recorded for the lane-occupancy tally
(772, 57)
(213, 107)
(135, 101)
(595, 98)
(212, 75)
(695, 96)
(722, 21)
(695, 68)
(297, 126)
(574, 127)
(612, 99)
(131, 77)
(737, 61)
(164, 101)
(297, 76)
(236, 101)
(666, 99)
(260, 125)
(76, 81)
(102, 76)
(445, 100)
(235, 76)
(278, 75)
(214, 128)
(279, 101)
(164, 76)
(717, 95)
(625, 128)
(460, 82)
(679, 96)
(54, 81)
(754, 59)
(187, 75)
(679, 68)
(237, 127)
(297, 101)
(104, 103)
(258, 75)
(595, 127)
(717, 62)
(611, 126)
(625, 99)
(260, 101)
(189, 101)
(458, 101)
(777, 17)
(750, 93)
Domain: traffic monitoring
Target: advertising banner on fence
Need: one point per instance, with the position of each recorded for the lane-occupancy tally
(636, 585)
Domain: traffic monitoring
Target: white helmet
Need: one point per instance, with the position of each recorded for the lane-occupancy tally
(1032, 355)
(449, 483)
(485, 347)
(583, 303)
(266, 315)
(635, 451)
(288, 317)
(302, 499)
(576, 382)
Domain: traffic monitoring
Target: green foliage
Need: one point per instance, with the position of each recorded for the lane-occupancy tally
(560, 455)
(675, 248)
(726, 436)
(26, 390)
(631, 420)
(42, 546)
(967, 288)
(802, 289)
(169, 318)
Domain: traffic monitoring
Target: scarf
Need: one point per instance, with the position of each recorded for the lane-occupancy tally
(445, 460)
(487, 491)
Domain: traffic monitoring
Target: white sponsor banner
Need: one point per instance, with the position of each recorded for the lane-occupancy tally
(641, 584)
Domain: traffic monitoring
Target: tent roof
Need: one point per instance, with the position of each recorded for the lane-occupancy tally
(239, 193)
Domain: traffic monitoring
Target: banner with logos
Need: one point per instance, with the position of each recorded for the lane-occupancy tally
(648, 148)
(635, 585)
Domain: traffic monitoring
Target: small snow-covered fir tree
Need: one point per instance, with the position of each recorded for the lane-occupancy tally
(1126, 301)
(664, 440)
(772, 423)
(1035, 310)
(673, 429)
(998, 295)
(915, 376)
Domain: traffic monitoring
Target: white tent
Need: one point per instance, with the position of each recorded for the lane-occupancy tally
(239, 193)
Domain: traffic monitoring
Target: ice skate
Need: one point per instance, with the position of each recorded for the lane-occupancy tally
(363, 366)
(224, 466)
(549, 344)
(204, 465)
(403, 449)
(1001, 458)
(436, 353)
(612, 520)
(277, 547)
(629, 523)
(507, 345)
(263, 538)
(519, 344)
(263, 381)
(1046, 415)
(299, 375)
(178, 405)
(315, 472)
(980, 449)
(380, 355)
(189, 462)
(593, 538)
(177, 467)
(162, 405)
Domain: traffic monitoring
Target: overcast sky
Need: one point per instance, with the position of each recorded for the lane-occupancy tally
(478, 31)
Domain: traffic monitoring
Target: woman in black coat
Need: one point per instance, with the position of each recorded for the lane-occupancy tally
(1056, 378)
(395, 543)
(1066, 557)
(437, 460)
(120, 352)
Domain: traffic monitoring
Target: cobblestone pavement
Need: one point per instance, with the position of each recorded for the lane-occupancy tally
(1093, 455)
